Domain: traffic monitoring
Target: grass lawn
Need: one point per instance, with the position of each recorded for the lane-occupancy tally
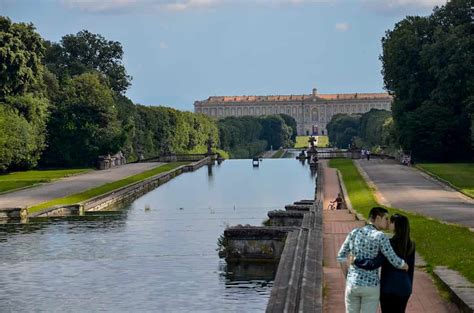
(461, 175)
(323, 141)
(438, 243)
(17, 180)
(97, 191)
(278, 154)
(302, 142)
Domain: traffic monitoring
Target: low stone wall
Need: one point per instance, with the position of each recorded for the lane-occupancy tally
(298, 285)
(13, 213)
(255, 243)
(298, 207)
(60, 210)
(132, 192)
(121, 195)
(285, 218)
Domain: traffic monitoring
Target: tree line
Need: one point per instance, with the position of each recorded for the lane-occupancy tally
(248, 136)
(428, 68)
(63, 104)
(372, 130)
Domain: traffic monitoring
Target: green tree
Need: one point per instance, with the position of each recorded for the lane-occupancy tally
(342, 128)
(21, 50)
(290, 122)
(85, 52)
(84, 123)
(428, 63)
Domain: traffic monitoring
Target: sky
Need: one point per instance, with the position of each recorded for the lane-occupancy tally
(179, 51)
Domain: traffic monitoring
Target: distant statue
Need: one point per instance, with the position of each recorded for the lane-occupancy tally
(209, 143)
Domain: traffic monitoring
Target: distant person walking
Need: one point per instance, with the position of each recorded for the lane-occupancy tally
(368, 154)
(395, 285)
(362, 286)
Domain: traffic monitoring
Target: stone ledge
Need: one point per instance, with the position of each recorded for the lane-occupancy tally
(298, 207)
(461, 290)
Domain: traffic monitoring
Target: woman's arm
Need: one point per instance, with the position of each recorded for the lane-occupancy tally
(370, 264)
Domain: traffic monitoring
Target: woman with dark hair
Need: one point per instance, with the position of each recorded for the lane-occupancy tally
(395, 284)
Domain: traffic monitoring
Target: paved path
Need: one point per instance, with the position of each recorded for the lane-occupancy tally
(409, 189)
(71, 185)
(269, 154)
(337, 224)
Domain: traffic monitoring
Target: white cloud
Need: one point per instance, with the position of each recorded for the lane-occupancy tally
(342, 27)
(402, 6)
(101, 6)
(122, 6)
(163, 45)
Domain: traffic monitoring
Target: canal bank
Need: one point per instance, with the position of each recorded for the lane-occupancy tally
(105, 196)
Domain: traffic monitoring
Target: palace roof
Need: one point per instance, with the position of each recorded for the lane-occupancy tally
(286, 98)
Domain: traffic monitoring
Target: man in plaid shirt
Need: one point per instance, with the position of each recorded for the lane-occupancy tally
(362, 286)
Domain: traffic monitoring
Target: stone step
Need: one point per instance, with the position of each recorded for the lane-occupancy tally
(297, 207)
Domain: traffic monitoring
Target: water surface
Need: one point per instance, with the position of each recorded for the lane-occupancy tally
(163, 259)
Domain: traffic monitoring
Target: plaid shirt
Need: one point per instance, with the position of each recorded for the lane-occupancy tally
(365, 243)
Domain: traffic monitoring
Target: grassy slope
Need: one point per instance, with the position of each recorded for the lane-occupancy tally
(278, 154)
(438, 243)
(17, 180)
(97, 191)
(460, 175)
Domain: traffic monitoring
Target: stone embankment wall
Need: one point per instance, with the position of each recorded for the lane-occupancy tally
(121, 195)
(295, 240)
(13, 213)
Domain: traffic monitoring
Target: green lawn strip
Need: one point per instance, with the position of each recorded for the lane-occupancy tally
(278, 154)
(301, 142)
(100, 190)
(16, 180)
(440, 244)
(201, 149)
(460, 175)
(323, 141)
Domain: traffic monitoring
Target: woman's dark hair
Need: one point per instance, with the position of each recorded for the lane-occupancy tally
(401, 242)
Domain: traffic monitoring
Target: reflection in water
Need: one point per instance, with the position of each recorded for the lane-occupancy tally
(162, 258)
(250, 271)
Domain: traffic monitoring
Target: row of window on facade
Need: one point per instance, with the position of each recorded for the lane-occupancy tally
(293, 111)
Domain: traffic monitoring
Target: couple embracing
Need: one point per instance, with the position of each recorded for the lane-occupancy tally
(368, 248)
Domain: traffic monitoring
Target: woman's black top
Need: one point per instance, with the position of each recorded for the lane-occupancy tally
(392, 280)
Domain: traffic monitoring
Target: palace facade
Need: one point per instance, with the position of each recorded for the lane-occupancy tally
(312, 112)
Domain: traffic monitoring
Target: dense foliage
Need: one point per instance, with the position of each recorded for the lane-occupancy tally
(63, 104)
(342, 128)
(248, 136)
(372, 130)
(428, 65)
(23, 106)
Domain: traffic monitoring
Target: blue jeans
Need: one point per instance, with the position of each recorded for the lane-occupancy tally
(362, 299)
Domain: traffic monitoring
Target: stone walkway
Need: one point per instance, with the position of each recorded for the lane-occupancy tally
(71, 185)
(409, 189)
(337, 224)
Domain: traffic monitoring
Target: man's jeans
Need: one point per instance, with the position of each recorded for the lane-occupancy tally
(360, 299)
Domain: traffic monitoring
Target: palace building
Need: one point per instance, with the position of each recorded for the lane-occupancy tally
(312, 112)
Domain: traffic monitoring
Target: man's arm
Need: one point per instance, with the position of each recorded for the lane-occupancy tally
(370, 264)
(392, 257)
(344, 252)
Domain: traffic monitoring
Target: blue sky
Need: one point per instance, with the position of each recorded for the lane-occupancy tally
(179, 51)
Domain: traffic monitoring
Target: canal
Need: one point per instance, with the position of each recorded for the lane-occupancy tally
(155, 254)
